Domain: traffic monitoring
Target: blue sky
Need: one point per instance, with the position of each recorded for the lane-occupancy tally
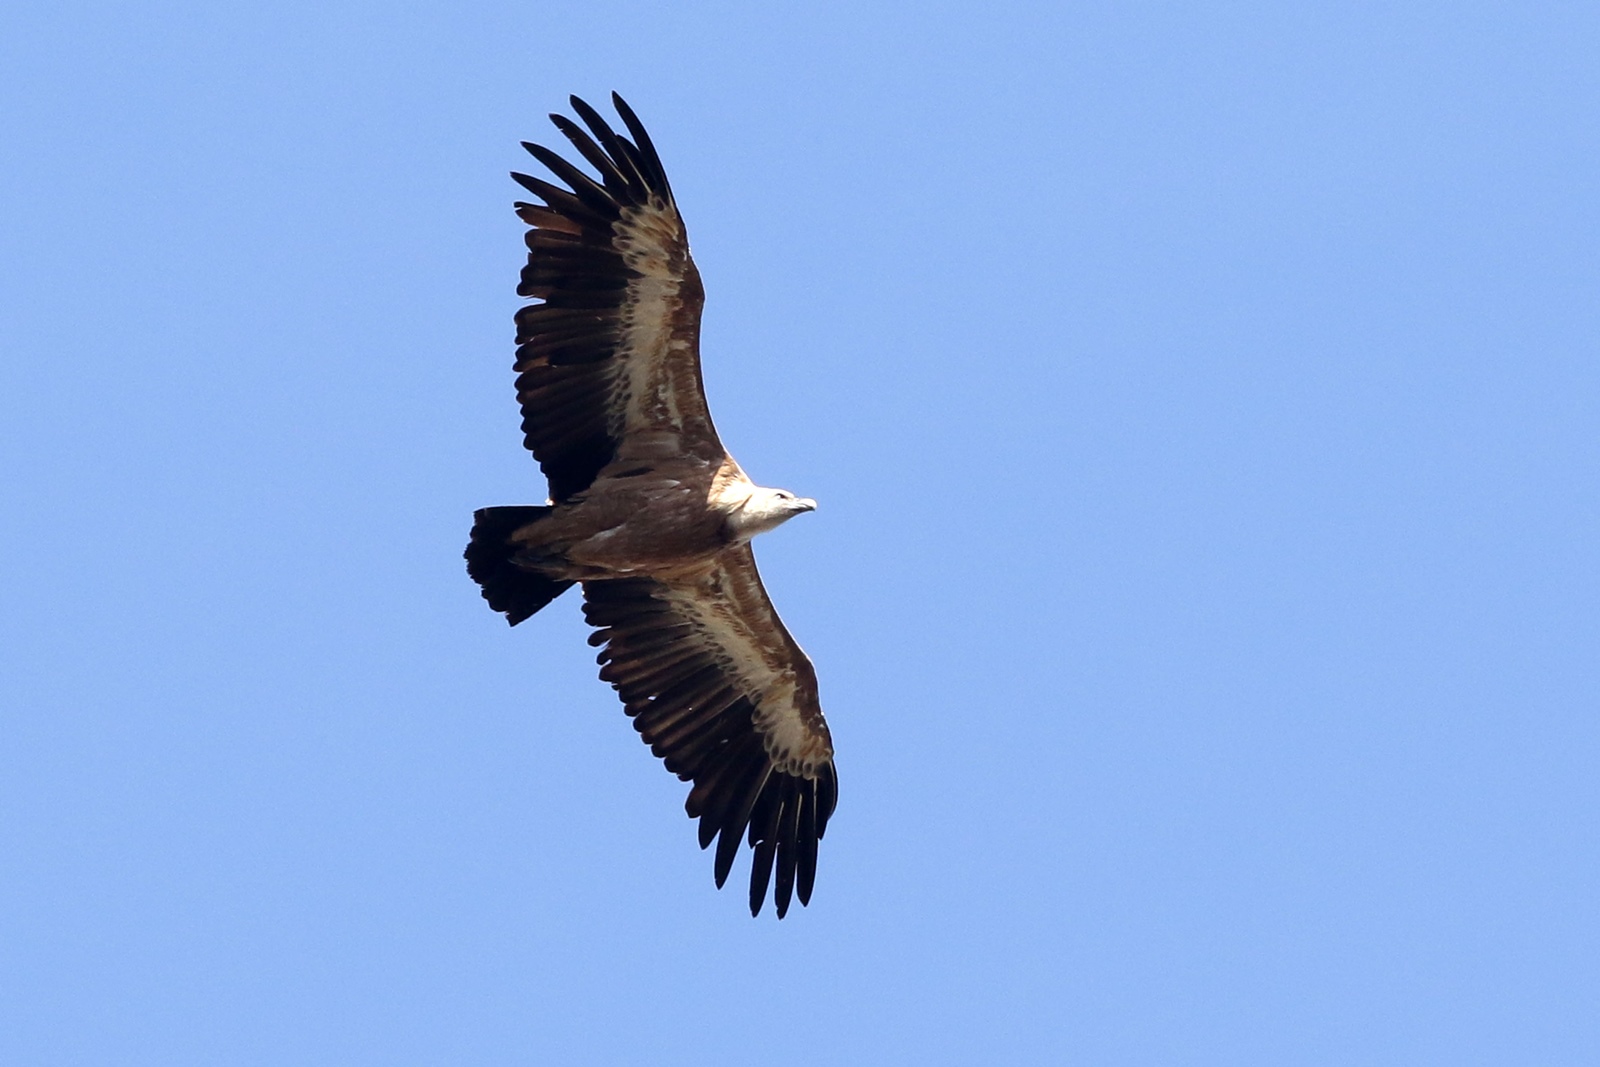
(1201, 399)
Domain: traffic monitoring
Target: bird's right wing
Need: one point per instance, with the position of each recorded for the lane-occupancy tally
(722, 693)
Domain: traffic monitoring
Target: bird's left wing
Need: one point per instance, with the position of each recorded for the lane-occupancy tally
(611, 352)
(721, 692)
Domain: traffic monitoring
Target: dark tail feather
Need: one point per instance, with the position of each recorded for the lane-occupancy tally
(515, 590)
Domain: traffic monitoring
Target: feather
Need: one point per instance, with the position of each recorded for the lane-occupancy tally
(638, 185)
(827, 795)
(709, 799)
(806, 844)
(567, 203)
(649, 160)
(672, 727)
(546, 219)
(617, 184)
(784, 888)
(635, 664)
(736, 819)
(760, 874)
(583, 187)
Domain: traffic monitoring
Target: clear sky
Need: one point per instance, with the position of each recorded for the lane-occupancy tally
(1202, 401)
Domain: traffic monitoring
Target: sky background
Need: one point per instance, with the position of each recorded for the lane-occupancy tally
(1202, 402)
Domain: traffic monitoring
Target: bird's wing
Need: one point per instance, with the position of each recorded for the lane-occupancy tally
(722, 693)
(612, 348)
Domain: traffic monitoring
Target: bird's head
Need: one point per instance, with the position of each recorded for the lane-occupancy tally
(766, 509)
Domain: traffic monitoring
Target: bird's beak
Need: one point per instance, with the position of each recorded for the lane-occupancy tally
(805, 503)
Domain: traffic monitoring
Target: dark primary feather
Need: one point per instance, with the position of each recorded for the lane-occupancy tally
(656, 174)
(609, 147)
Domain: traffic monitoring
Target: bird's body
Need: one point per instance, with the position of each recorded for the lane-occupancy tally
(649, 512)
(661, 519)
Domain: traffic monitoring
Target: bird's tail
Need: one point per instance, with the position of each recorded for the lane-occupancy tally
(514, 588)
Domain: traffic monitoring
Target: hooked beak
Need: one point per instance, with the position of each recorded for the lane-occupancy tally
(805, 503)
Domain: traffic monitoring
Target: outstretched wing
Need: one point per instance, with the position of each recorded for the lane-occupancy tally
(722, 693)
(612, 348)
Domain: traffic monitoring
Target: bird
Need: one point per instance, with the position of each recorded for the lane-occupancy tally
(650, 514)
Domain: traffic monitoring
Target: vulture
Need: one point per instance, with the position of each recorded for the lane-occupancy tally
(649, 513)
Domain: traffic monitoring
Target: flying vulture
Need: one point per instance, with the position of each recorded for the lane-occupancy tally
(650, 514)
